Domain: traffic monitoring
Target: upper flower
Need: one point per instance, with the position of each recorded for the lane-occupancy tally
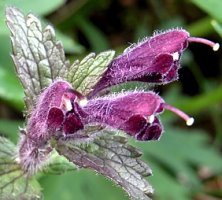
(155, 60)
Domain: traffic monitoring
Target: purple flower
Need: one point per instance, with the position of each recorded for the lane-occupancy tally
(53, 97)
(135, 113)
(154, 60)
(51, 111)
(61, 111)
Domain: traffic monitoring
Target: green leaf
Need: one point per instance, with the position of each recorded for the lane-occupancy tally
(38, 57)
(110, 156)
(13, 184)
(166, 186)
(85, 74)
(27, 6)
(211, 7)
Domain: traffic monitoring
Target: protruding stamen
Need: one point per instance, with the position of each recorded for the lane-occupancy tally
(189, 120)
(215, 46)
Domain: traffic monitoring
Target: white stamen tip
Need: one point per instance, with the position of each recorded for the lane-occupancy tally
(190, 121)
(83, 102)
(175, 56)
(151, 119)
(216, 47)
(68, 105)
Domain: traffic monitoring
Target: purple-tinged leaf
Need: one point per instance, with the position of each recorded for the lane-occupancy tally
(110, 156)
(58, 165)
(38, 57)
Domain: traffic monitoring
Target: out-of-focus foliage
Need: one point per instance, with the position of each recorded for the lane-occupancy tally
(186, 163)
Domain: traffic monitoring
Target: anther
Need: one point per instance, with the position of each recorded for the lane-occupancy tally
(151, 119)
(176, 56)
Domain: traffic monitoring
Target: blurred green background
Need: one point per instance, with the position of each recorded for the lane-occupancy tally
(186, 162)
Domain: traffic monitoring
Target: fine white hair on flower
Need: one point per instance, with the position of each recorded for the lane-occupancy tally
(145, 39)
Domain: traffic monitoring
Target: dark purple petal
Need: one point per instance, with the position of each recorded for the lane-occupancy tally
(55, 118)
(72, 124)
(151, 131)
(134, 124)
(154, 60)
(77, 109)
(164, 70)
(138, 127)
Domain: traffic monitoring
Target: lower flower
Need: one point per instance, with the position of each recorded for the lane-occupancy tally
(62, 111)
(135, 113)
